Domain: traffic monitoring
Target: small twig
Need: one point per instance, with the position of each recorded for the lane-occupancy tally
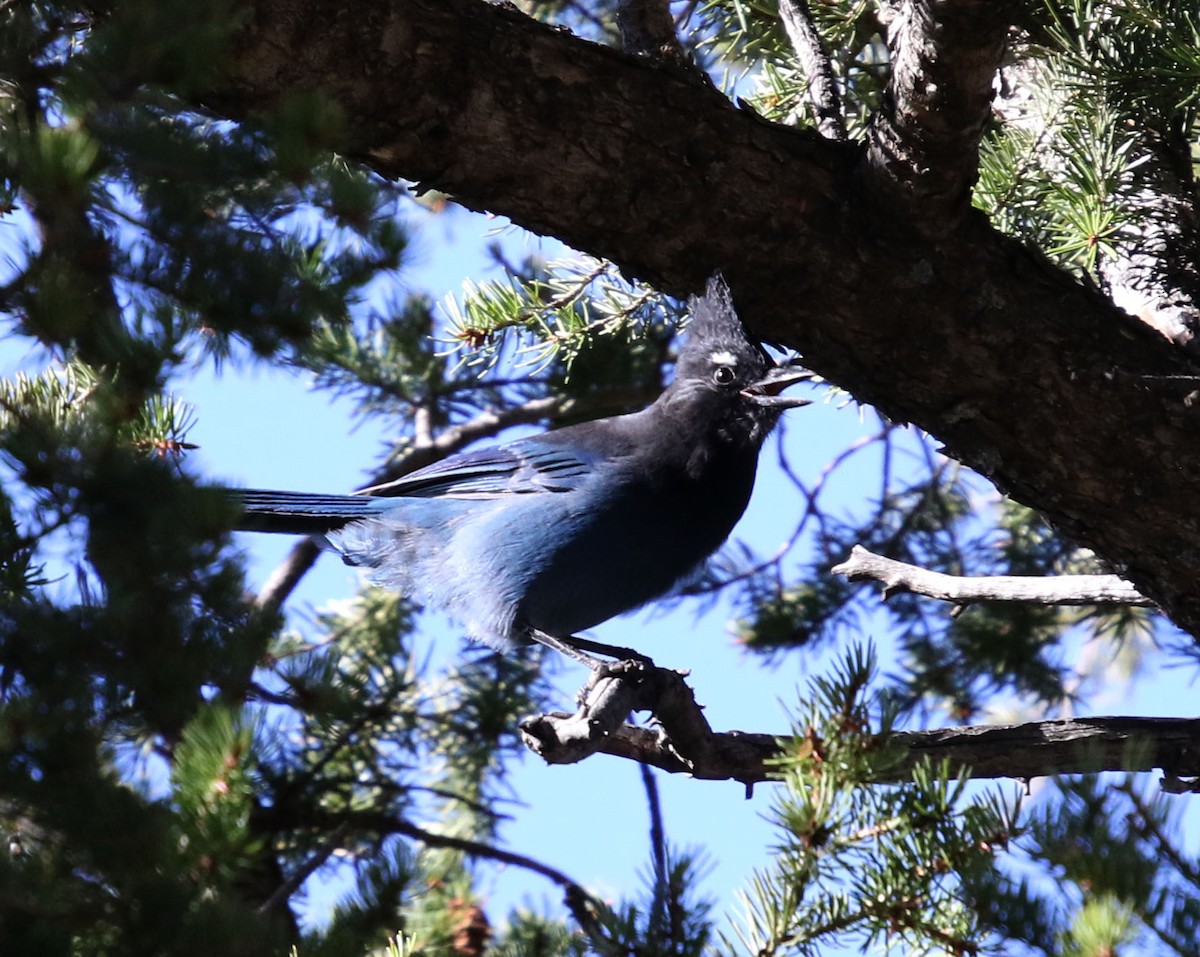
(818, 70)
(658, 847)
(895, 576)
(811, 510)
(284, 891)
(1163, 844)
(583, 906)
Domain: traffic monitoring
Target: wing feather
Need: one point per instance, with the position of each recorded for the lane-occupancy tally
(520, 467)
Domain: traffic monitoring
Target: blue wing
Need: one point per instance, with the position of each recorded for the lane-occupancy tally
(525, 466)
(301, 513)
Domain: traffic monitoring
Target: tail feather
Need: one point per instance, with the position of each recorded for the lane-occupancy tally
(302, 513)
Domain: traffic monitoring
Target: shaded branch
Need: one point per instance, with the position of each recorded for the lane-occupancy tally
(1155, 272)
(283, 893)
(648, 29)
(863, 565)
(342, 828)
(923, 145)
(489, 852)
(583, 906)
(818, 71)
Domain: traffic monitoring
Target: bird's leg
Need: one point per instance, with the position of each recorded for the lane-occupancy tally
(609, 651)
(584, 651)
(626, 664)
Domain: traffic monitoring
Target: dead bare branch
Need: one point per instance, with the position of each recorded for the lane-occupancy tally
(863, 565)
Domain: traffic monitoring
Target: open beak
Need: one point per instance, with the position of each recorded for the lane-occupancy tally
(766, 391)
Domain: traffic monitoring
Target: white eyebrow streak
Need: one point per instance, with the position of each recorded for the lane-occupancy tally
(724, 358)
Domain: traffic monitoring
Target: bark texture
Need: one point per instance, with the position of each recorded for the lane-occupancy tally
(1029, 377)
(686, 744)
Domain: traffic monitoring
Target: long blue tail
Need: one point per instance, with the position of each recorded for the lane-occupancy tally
(303, 513)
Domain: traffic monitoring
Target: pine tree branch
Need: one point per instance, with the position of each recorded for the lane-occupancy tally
(818, 71)
(582, 905)
(1155, 272)
(686, 744)
(489, 852)
(863, 565)
(283, 893)
(648, 29)
(923, 146)
(343, 827)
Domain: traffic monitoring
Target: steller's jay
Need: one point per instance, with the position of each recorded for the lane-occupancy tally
(543, 537)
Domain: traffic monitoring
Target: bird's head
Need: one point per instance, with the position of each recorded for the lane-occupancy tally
(725, 377)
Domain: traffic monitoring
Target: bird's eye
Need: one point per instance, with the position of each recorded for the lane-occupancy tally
(723, 375)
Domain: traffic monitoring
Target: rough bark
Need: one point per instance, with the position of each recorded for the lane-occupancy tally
(818, 71)
(1156, 272)
(923, 147)
(1037, 382)
(647, 29)
(683, 742)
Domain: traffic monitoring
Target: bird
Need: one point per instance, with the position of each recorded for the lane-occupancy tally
(541, 538)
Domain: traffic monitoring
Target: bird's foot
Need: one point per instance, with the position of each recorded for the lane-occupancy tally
(631, 668)
(625, 663)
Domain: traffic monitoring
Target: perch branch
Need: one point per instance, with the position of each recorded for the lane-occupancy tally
(684, 742)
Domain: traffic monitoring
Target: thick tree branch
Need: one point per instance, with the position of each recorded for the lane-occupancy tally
(1155, 274)
(648, 29)
(923, 148)
(1005, 359)
(686, 744)
(895, 576)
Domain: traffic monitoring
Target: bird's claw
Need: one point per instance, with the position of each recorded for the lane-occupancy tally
(634, 666)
